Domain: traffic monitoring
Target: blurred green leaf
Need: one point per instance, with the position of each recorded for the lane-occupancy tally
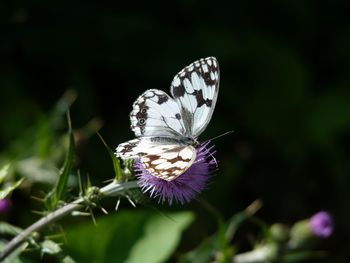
(45, 137)
(37, 170)
(7, 229)
(204, 252)
(60, 188)
(68, 259)
(4, 172)
(5, 192)
(128, 237)
(50, 247)
(301, 256)
(115, 160)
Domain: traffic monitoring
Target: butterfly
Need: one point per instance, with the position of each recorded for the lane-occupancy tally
(167, 127)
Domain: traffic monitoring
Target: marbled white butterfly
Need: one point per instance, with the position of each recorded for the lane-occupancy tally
(167, 127)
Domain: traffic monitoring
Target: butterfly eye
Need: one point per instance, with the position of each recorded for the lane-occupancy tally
(141, 121)
(143, 110)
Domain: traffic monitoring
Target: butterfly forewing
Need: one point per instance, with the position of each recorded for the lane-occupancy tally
(155, 113)
(195, 89)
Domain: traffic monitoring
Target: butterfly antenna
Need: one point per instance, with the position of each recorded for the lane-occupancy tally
(216, 137)
(223, 134)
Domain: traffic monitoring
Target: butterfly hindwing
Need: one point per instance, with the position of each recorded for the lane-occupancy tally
(155, 113)
(137, 148)
(195, 89)
(170, 164)
(162, 158)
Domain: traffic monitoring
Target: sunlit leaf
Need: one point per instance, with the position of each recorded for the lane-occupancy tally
(50, 247)
(5, 192)
(4, 172)
(68, 259)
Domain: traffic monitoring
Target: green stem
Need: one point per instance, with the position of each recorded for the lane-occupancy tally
(112, 189)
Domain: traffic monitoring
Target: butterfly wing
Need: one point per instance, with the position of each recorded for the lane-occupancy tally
(162, 157)
(170, 164)
(145, 146)
(155, 113)
(195, 89)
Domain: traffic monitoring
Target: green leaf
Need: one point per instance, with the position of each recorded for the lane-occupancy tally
(7, 229)
(5, 192)
(128, 237)
(50, 247)
(68, 259)
(60, 188)
(116, 163)
(4, 172)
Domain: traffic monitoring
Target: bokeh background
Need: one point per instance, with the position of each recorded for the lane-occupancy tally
(285, 91)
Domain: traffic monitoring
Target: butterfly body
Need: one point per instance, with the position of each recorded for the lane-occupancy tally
(167, 127)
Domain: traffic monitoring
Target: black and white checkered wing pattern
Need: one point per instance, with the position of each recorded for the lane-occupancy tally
(164, 159)
(144, 146)
(167, 127)
(169, 164)
(155, 113)
(195, 89)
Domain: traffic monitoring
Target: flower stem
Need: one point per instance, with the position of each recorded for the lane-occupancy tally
(112, 189)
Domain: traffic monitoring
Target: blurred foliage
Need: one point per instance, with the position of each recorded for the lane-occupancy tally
(8, 188)
(59, 190)
(128, 236)
(284, 91)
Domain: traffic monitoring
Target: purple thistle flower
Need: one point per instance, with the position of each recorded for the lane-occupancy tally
(322, 224)
(185, 187)
(5, 205)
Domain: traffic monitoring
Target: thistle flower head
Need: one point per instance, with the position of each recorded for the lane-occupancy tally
(185, 187)
(322, 224)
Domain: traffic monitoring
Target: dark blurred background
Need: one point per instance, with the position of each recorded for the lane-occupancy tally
(285, 90)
